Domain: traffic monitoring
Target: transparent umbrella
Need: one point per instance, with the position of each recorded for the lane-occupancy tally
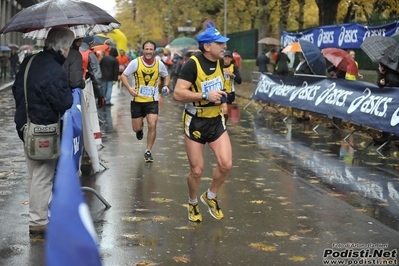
(183, 41)
(57, 13)
(80, 31)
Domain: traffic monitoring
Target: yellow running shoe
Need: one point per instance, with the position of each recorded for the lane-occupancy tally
(194, 214)
(213, 206)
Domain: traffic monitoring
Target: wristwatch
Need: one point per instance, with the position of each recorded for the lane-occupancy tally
(204, 95)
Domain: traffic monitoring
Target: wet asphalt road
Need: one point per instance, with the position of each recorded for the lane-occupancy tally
(292, 193)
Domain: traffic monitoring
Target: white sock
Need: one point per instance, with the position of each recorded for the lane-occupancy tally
(147, 150)
(192, 201)
(210, 195)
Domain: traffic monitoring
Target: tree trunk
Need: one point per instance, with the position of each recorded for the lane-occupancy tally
(327, 11)
(285, 6)
(301, 15)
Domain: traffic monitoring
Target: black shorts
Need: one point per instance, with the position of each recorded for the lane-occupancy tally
(138, 109)
(231, 97)
(203, 130)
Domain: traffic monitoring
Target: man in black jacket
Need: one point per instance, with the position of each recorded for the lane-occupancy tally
(49, 96)
(262, 61)
(303, 67)
(110, 71)
(73, 66)
(91, 68)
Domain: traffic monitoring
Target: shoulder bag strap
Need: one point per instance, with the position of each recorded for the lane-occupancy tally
(25, 78)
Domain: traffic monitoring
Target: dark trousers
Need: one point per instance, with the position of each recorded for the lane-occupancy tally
(13, 71)
(3, 72)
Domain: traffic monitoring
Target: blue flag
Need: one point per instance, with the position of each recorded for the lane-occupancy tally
(71, 237)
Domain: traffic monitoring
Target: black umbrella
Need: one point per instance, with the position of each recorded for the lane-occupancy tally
(57, 13)
(391, 57)
(314, 57)
(374, 46)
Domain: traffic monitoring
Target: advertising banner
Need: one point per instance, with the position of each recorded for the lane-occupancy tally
(344, 36)
(360, 102)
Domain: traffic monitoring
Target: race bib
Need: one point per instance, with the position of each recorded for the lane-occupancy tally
(226, 77)
(146, 91)
(215, 84)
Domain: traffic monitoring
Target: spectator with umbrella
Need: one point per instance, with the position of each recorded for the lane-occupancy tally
(49, 97)
(386, 77)
(349, 76)
(262, 61)
(303, 66)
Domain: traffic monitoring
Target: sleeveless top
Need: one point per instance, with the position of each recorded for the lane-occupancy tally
(229, 81)
(206, 83)
(146, 82)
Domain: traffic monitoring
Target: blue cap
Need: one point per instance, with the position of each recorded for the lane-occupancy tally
(88, 39)
(211, 35)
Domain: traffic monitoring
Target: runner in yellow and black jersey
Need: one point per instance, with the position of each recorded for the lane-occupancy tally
(146, 71)
(232, 76)
(201, 87)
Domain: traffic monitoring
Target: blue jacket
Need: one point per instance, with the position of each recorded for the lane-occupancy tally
(49, 95)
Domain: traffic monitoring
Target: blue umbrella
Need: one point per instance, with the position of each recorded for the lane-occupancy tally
(314, 57)
(4, 48)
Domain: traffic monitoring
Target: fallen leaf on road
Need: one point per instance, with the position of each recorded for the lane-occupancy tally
(295, 238)
(184, 228)
(279, 233)
(181, 259)
(160, 218)
(135, 219)
(258, 201)
(133, 236)
(302, 217)
(161, 200)
(263, 247)
(334, 195)
(297, 258)
(305, 231)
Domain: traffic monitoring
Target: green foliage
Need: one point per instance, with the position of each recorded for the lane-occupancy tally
(157, 19)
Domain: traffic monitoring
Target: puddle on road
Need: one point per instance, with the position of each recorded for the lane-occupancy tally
(354, 172)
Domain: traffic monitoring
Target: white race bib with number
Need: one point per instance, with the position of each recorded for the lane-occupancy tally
(146, 91)
(215, 84)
